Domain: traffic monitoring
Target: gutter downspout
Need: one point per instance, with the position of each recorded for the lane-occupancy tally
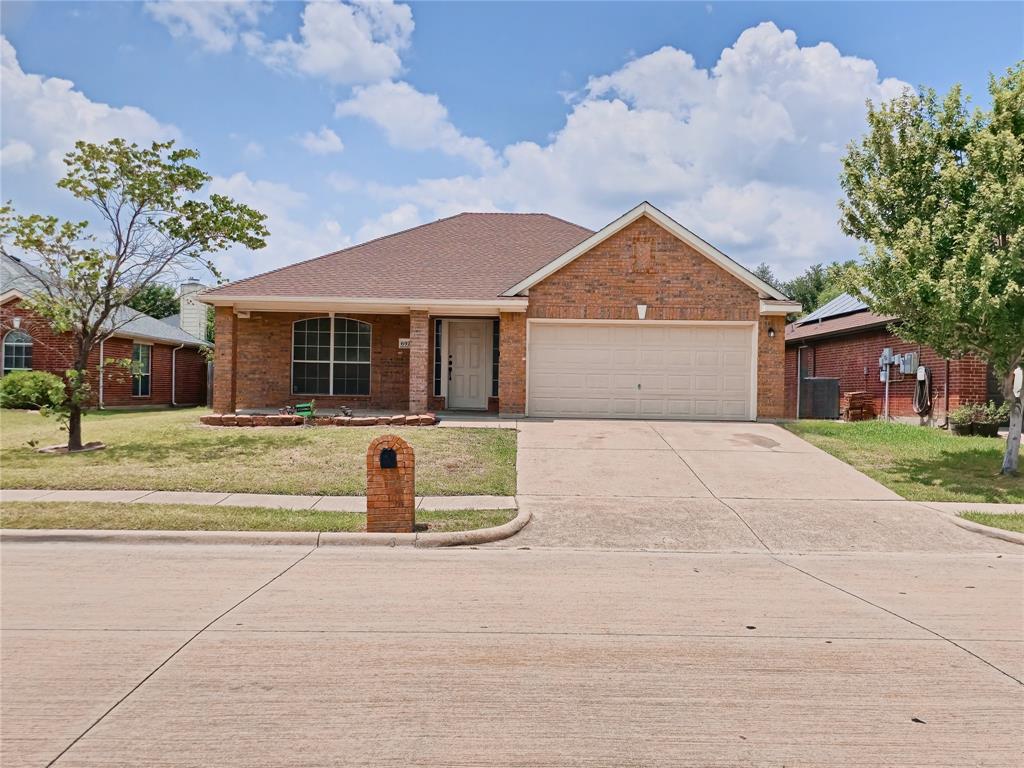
(945, 395)
(174, 374)
(101, 374)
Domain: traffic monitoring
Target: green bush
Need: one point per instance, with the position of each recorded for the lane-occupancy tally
(31, 389)
(990, 413)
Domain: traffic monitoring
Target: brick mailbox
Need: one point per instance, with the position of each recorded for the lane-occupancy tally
(390, 486)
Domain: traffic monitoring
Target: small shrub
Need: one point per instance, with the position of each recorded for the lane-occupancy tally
(31, 389)
(963, 415)
(990, 413)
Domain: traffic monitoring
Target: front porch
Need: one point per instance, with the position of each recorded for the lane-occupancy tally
(416, 361)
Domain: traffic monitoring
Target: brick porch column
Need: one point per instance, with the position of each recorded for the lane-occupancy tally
(512, 363)
(771, 367)
(419, 360)
(224, 359)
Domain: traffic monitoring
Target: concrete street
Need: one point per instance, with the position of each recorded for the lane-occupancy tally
(630, 624)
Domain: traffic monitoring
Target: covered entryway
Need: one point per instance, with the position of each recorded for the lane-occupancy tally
(660, 370)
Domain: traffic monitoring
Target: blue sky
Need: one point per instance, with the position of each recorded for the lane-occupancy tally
(345, 122)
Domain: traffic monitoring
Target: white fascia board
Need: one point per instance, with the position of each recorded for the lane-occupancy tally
(769, 307)
(646, 209)
(141, 337)
(366, 305)
(11, 294)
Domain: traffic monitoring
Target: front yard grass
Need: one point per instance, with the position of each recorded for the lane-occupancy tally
(919, 463)
(1009, 521)
(169, 450)
(188, 517)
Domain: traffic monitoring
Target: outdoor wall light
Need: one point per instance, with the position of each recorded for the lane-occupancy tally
(771, 332)
(16, 322)
(641, 311)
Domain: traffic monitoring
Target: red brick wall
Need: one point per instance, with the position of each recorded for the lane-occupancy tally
(678, 283)
(54, 353)
(420, 369)
(771, 360)
(261, 348)
(512, 363)
(681, 284)
(846, 357)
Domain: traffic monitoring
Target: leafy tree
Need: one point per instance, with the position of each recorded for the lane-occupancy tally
(766, 273)
(937, 193)
(154, 225)
(157, 300)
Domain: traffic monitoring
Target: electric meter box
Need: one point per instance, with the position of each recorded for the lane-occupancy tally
(908, 362)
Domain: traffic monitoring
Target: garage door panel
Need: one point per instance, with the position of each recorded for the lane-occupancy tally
(632, 371)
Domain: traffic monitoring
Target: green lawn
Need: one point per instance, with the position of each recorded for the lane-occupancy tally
(919, 463)
(1010, 521)
(170, 451)
(187, 517)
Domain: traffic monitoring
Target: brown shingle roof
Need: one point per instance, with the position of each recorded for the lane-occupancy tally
(834, 326)
(468, 256)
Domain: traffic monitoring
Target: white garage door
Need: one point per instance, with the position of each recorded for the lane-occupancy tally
(640, 371)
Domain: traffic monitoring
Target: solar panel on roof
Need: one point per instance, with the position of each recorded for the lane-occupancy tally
(844, 304)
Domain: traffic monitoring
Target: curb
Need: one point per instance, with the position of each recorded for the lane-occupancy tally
(40, 535)
(253, 538)
(987, 530)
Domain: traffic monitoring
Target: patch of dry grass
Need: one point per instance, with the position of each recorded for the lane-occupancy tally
(169, 450)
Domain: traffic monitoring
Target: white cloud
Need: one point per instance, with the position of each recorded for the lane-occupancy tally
(402, 217)
(290, 240)
(323, 142)
(414, 120)
(49, 115)
(253, 150)
(216, 25)
(345, 43)
(16, 153)
(744, 153)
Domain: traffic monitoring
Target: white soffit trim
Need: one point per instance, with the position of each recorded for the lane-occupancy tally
(385, 306)
(646, 209)
(769, 307)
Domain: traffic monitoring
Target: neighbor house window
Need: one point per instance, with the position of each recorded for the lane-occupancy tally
(330, 357)
(141, 369)
(495, 348)
(17, 352)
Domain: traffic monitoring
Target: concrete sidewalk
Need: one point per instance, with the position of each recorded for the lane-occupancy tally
(265, 500)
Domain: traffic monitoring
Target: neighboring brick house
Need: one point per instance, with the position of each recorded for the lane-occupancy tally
(843, 340)
(512, 313)
(171, 361)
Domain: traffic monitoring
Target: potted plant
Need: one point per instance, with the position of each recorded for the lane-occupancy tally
(961, 419)
(988, 417)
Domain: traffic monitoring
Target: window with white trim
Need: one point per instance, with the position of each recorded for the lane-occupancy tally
(17, 351)
(142, 365)
(330, 357)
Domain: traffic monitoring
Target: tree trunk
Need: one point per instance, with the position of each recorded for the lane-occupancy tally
(1012, 455)
(74, 427)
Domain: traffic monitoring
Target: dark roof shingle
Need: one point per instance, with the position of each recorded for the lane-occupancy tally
(464, 257)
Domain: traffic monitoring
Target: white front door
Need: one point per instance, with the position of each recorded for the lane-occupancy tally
(469, 343)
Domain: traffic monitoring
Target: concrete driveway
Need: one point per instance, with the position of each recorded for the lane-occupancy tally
(711, 486)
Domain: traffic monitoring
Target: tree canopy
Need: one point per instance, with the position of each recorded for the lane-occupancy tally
(157, 300)
(936, 192)
(152, 224)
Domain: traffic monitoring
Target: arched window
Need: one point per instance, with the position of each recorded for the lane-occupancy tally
(17, 352)
(330, 358)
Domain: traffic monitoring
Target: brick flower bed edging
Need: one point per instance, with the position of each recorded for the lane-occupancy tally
(282, 420)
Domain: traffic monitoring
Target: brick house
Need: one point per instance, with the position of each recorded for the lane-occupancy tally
(843, 340)
(172, 363)
(510, 313)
